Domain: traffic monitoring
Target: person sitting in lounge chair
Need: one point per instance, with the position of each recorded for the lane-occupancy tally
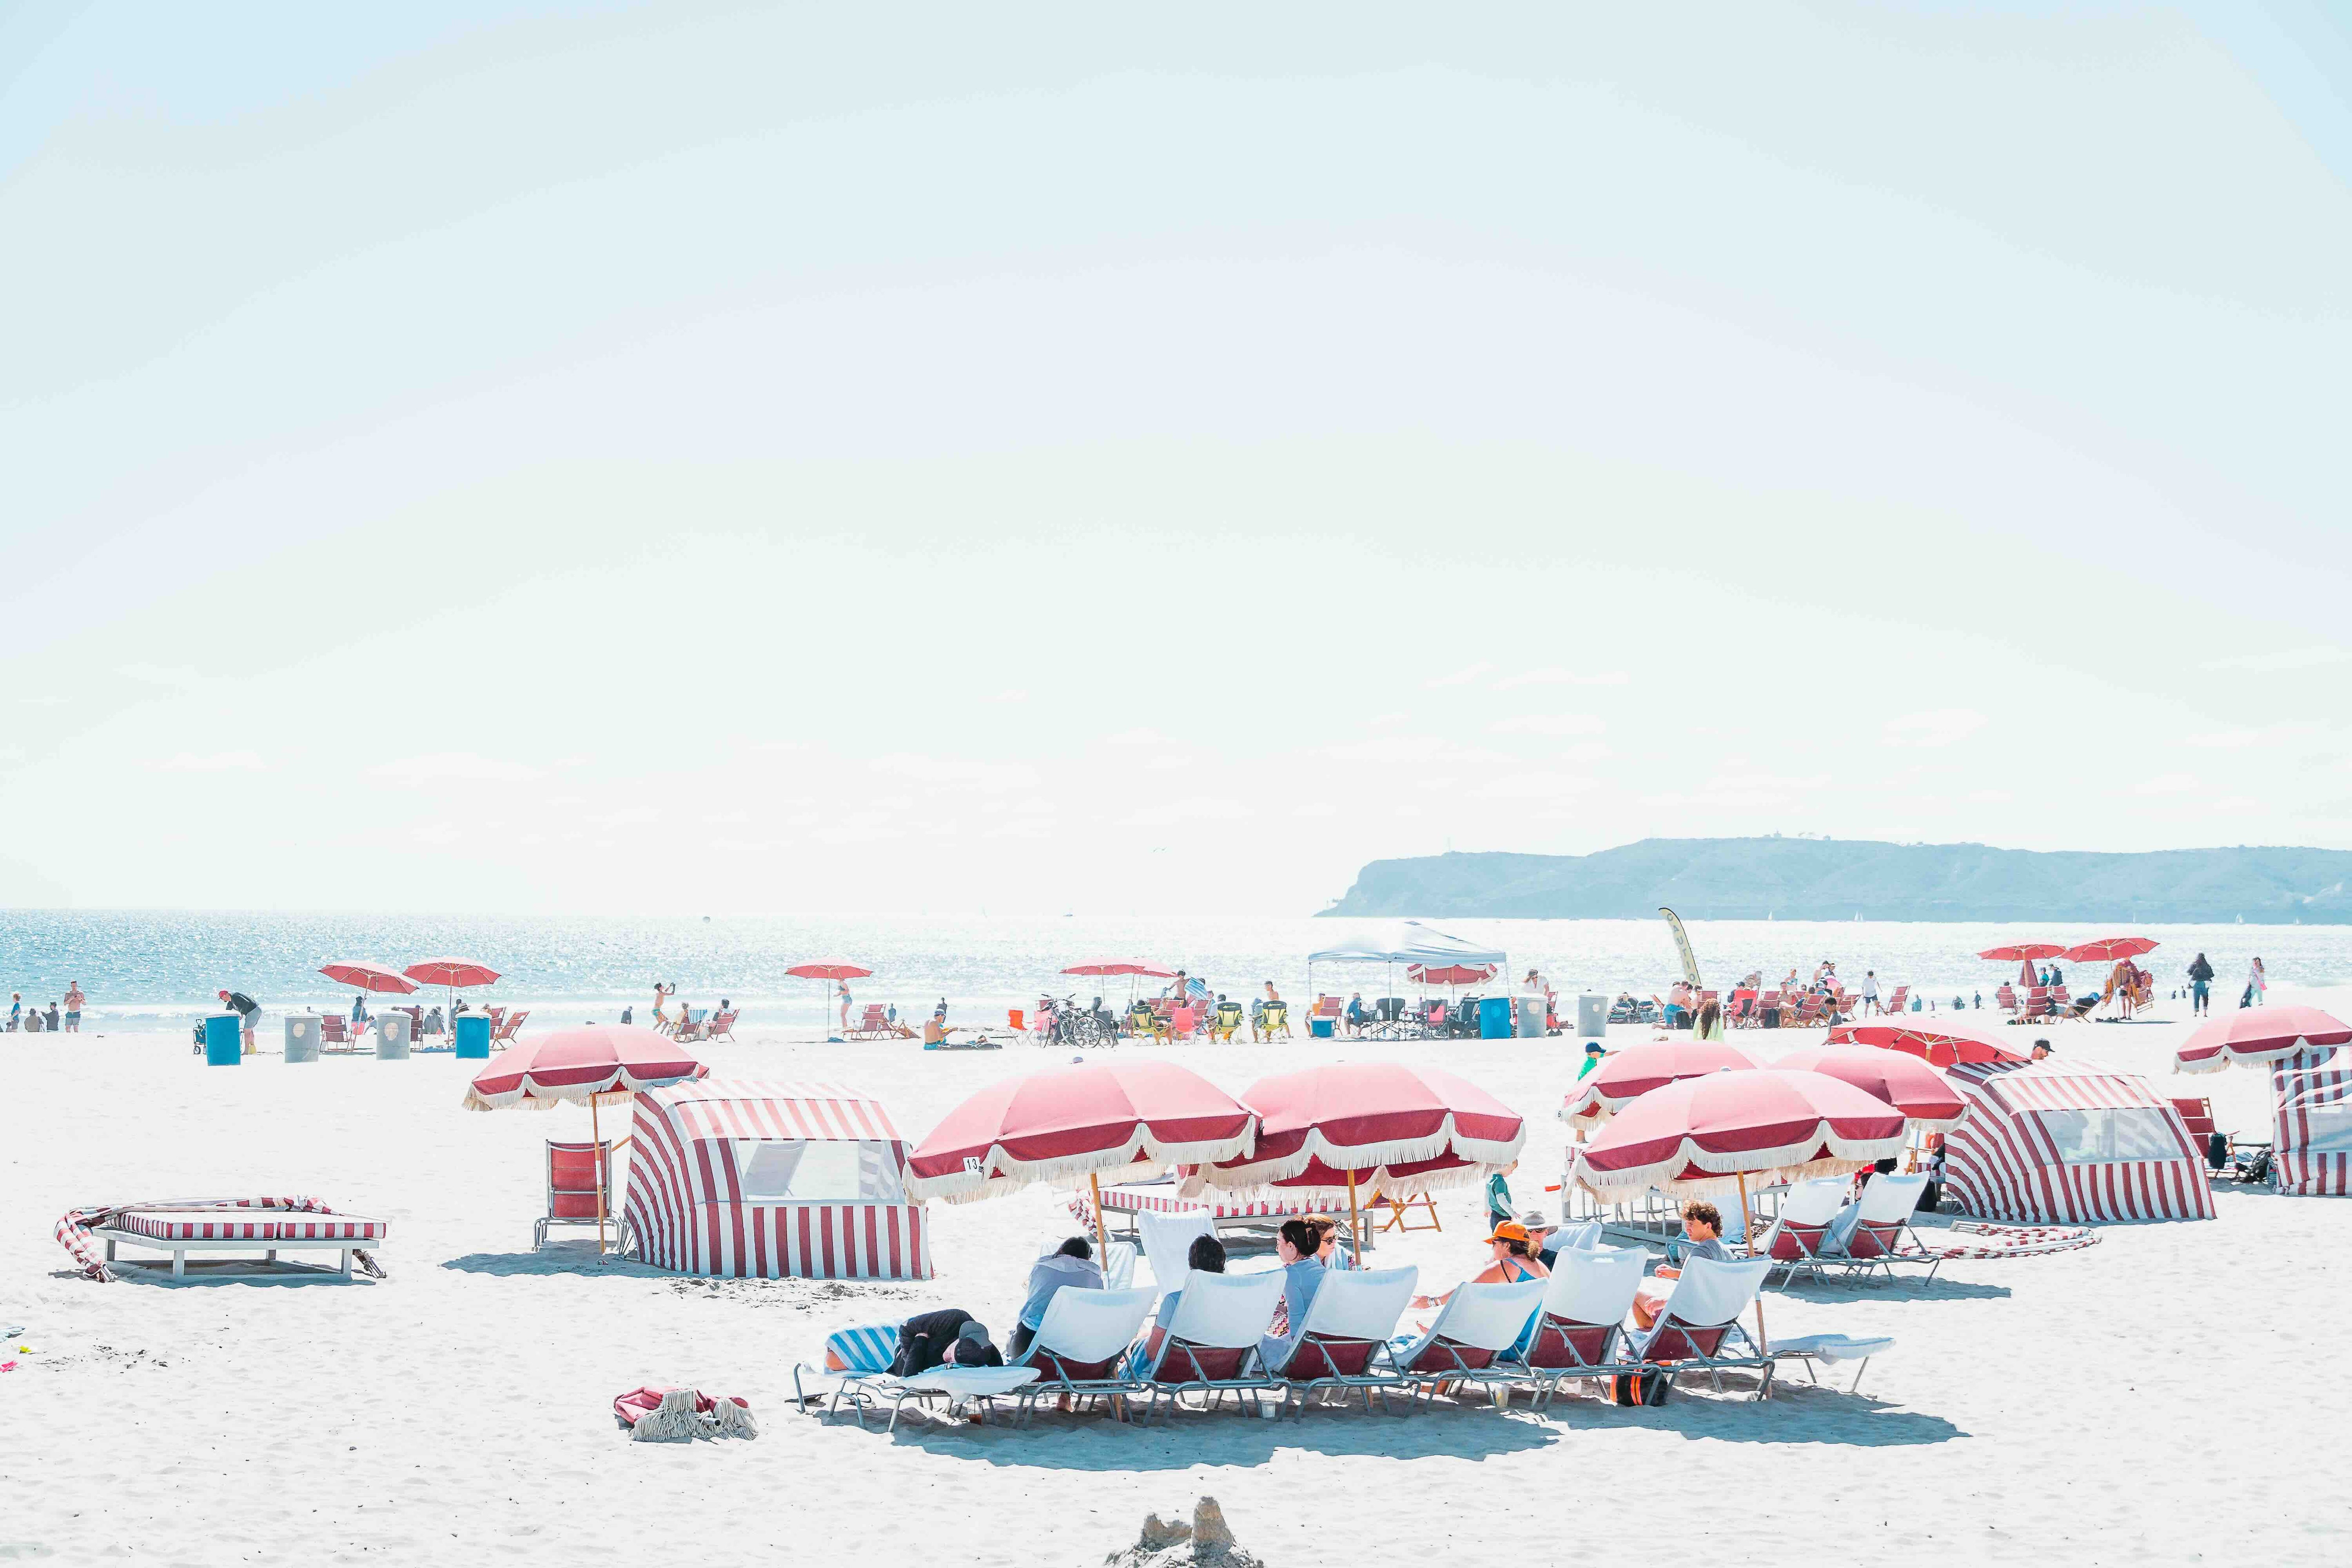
(1359, 1016)
(1511, 1258)
(1302, 1276)
(1332, 1250)
(1069, 1266)
(1206, 1256)
(1701, 1237)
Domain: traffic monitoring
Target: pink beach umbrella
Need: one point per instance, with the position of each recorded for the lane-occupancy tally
(452, 973)
(1937, 1047)
(1904, 1082)
(1634, 1071)
(596, 1065)
(368, 977)
(831, 971)
(2108, 948)
(1097, 968)
(1104, 1118)
(2254, 1036)
(1392, 1127)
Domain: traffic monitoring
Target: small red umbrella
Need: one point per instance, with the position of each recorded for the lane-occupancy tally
(1904, 1082)
(452, 973)
(1098, 967)
(829, 970)
(1112, 1118)
(1634, 1071)
(2026, 951)
(2108, 948)
(1395, 1127)
(1937, 1047)
(596, 1065)
(368, 977)
(2254, 1036)
(1449, 975)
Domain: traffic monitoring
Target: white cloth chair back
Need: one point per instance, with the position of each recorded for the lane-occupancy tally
(1226, 1311)
(1489, 1316)
(1890, 1198)
(1710, 1294)
(1584, 1238)
(1359, 1304)
(1168, 1243)
(1119, 1266)
(1092, 1325)
(1595, 1286)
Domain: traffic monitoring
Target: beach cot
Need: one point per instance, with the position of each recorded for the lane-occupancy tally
(572, 1183)
(1697, 1327)
(221, 1228)
(1799, 1232)
(857, 1361)
(873, 1024)
(1081, 1348)
(1211, 1344)
(1581, 1318)
(1168, 1240)
(1347, 1328)
(1469, 1340)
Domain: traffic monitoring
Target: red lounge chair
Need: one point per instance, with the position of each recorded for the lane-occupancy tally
(722, 1025)
(333, 1030)
(1898, 999)
(572, 1186)
(873, 1024)
(2006, 997)
(503, 1030)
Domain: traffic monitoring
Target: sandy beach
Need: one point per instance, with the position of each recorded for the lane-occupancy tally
(462, 1404)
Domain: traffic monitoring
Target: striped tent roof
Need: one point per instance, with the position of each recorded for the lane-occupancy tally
(2058, 1083)
(751, 1108)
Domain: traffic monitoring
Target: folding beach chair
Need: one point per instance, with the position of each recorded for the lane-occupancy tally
(1580, 1320)
(873, 1024)
(1211, 1344)
(1349, 1325)
(2004, 997)
(503, 1032)
(858, 1362)
(1469, 1340)
(1698, 1328)
(334, 1031)
(572, 1186)
(1168, 1243)
(1797, 1237)
(1400, 1215)
(1080, 1348)
(1229, 1019)
(1876, 1235)
(1276, 1020)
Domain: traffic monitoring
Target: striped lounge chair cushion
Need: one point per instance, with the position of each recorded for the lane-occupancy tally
(869, 1347)
(256, 1225)
(1167, 1200)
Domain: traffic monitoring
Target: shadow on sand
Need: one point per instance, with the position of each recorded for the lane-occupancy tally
(558, 1258)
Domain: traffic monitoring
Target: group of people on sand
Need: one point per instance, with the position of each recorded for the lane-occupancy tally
(33, 1020)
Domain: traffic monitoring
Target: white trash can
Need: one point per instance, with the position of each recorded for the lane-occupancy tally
(301, 1036)
(1533, 1011)
(1592, 1017)
(391, 1032)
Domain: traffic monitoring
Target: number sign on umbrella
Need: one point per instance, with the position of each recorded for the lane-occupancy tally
(1904, 1082)
(2257, 1036)
(1394, 1127)
(1634, 1071)
(595, 1065)
(1117, 1119)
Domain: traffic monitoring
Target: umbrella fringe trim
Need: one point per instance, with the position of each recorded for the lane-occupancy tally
(1000, 1172)
(1445, 1140)
(1784, 1156)
(1719, 1186)
(1376, 1180)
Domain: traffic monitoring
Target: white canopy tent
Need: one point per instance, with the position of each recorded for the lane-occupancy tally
(1408, 942)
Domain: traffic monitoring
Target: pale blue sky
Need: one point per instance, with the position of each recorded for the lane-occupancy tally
(705, 457)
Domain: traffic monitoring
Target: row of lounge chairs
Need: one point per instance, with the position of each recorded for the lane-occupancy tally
(1826, 1232)
(700, 1024)
(1535, 1335)
(2044, 1002)
(334, 1029)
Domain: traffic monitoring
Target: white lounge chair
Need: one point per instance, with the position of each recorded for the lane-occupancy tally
(1081, 1346)
(1878, 1235)
(864, 1379)
(1797, 1237)
(1168, 1244)
(1347, 1328)
(1212, 1343)
(1119, 1264)
(1700, 1320)
(1471, 1337)
(1580, 1320)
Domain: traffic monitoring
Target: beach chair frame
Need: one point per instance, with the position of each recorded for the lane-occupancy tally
(1064, 1350)
(1470, 1341)
(1799, 1236)
(1700, 1320)
(865, 1381)
(1345, 1338)
(1882, 1228)
(1581, 1322)
(1196, 1356)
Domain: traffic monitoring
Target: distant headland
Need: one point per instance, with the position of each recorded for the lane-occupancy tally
(1829, 879)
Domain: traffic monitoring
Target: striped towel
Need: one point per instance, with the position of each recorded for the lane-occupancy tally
(865, 1349)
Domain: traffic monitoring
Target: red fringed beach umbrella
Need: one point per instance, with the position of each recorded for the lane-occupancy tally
(452, 973)
(1115, 1118)
(831, 971)
(1737, 1124)
(2025, 952)
(1396, 1127)
(1904, 1082)
(1098, 967)
(601, 1064)
(1624, 1077)
(2253, 1035)
(2108, 948)
(1937, 1047)
(1449, 975)
(368, 977)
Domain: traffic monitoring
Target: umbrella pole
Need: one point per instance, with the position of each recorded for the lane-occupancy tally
(1355, 1224)
(596, 1141)
(1102, 1230)
(1748, 1235)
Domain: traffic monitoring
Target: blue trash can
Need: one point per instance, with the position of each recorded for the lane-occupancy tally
(473, 1035)
(1320, 1028)
(1495, 1018)
(224, 1040)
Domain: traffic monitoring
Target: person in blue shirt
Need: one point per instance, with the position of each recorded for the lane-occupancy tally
(1070, 1267)
(1302, 1276)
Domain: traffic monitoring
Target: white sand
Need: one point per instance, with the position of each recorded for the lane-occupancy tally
(2165, 1396)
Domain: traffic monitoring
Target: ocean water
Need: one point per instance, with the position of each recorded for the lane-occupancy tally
(145, 969)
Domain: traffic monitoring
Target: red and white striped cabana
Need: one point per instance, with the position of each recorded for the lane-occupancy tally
(767, 1179)
(2311, 1132)
(2070, 1141)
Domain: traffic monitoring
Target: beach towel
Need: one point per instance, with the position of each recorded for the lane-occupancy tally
(682, 1415)
(1988, 1240)
(73, 1229)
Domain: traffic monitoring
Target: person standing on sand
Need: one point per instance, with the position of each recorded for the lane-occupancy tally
(845, 1007)
(16, 1011)
(248, 1012)
(1870, 991)
(2258, 983)
(2201, 985)
(74, 999)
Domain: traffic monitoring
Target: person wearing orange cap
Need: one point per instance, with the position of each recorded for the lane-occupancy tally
(1511, 1259)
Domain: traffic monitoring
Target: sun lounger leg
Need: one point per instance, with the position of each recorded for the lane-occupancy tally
(109, 1252)
(179, 1265)
(347, 1264)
